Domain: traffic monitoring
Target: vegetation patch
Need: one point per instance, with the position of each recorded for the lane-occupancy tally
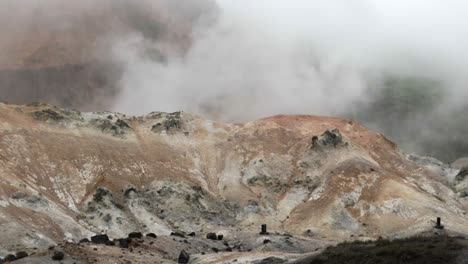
(416, 250)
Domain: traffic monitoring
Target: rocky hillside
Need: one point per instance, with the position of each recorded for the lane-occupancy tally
(313, 180)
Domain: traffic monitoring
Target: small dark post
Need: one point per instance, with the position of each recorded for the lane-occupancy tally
(184, 257)
(264, 230)
(438, 224)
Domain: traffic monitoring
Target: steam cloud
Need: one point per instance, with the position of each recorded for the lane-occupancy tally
(245, 59)
(265, 57)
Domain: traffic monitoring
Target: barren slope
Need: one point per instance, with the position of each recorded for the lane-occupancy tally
(66, 175)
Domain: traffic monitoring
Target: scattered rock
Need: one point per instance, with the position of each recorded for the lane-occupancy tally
(135, 235)
(58, 255)
(192, 234)
(215, 250)
(153, 235)
(461, 183)
(48, 114)
(461, 175)
(220, 237)
(171, 123)
(178, 234)
(270, 260)
(100, 239)
(118, 129)
(84, 240)
(212, 236)
(107, 218)
(21, 254)
(124, 242)
(9, 258)
(328, 138)
(266, 241)
(122, 124)
(184, 257)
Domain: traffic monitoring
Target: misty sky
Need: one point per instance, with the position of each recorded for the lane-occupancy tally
(263, 57)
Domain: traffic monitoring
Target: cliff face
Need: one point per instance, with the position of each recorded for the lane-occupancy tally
(67, 175)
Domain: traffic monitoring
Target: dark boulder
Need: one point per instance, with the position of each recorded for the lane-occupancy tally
(220, 237)
(110, 243)
(9, 258)
(192, 234)
(215, 250)
(124, 242)
(21, 254)
(153, 235)
(135, 235)
(184, 257)
(100, 239)
(212, 236)
(84, 240)
(58, 255)
(270, 260)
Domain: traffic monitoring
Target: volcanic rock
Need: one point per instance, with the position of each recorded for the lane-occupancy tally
(100, 239)
(212, 236)
(135, 235)
(58, 255)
